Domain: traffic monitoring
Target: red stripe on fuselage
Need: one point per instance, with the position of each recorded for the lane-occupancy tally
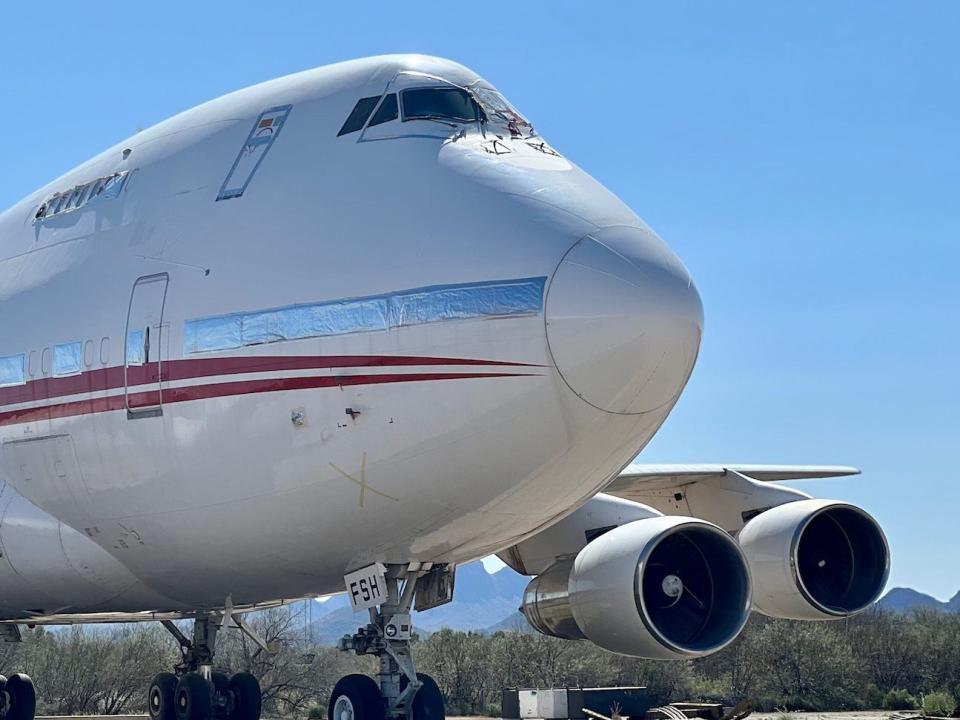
(112, 378)
(226, 389)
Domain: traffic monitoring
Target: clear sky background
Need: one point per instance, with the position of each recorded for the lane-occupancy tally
(802, 158)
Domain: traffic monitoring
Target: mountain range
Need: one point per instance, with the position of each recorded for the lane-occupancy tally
(482, 601)
(902, 599)
(489, 602)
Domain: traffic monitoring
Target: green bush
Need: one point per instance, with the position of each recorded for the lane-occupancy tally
(316, 713)
(873, 698)
(899, 700)
(940, 704)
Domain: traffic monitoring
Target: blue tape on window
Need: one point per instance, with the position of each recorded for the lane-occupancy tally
(67, 359)
(113, 186)
(366, 314)
(135, 348)
(11, 370)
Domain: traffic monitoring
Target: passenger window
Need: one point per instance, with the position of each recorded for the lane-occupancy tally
(67, 359)
(95, 188)
(12, 371)
(358, 116)
(386, 112)
(104, 351)
(45, 361)
(136, 348)
(74, 199)
(113, 186)
(439, 104)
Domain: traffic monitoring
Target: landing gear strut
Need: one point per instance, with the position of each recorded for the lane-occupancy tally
(399, 692)
(196, 691)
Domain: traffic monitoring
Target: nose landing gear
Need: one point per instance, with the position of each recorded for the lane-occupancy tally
(196, 691)
(400, 692)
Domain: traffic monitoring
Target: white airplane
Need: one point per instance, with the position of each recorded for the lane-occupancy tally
(345, 330)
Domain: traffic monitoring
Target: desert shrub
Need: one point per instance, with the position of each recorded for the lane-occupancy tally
(939, 704)
(899, 700)
(873, 697)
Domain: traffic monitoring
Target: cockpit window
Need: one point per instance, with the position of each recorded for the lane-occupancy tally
(386, 112)
(358, 116)
(439, 104)
(499, 111)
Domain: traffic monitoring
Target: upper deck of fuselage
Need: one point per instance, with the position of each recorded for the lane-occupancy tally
(351, 78)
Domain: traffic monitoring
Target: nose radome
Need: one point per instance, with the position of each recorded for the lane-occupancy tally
(624, 320)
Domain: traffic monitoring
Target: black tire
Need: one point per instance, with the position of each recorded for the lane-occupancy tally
(428, 703)
(247, 700)
(221, 682)
(356, 697)
(192, 698)
(23, 697)
(220, 700)
(160, 703)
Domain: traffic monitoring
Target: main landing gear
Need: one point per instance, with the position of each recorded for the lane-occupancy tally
(399, 692)
(18, 699)
(196, 691)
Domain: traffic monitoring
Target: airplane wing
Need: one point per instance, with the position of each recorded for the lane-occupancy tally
(659, 477)
(57, 618)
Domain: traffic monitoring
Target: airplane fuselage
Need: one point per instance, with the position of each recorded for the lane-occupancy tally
(276, 354)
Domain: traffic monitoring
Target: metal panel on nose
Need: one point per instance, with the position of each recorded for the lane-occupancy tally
(624, 321)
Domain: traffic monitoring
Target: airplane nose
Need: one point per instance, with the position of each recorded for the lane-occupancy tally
(624, 320)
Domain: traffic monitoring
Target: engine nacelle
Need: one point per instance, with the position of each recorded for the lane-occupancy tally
(661, 587)
(815, 559)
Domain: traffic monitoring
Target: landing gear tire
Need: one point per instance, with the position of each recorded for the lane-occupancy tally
(192, 698)
(22, 697)
(221, 683)
(356, 697)
(160, 702)
(222, 702)
(428, 703)
(247, 699)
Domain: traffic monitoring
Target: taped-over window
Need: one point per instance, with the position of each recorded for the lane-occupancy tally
(266, 129)
(67, 359)
(438, 303)
(104, 188)
(12, 370)
(136, 348)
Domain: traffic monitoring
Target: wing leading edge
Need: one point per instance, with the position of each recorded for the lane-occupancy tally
(654, 477)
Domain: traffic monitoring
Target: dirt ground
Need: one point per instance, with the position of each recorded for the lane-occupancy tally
(858, 715)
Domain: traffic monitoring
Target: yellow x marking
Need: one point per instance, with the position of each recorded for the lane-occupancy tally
(362, 482)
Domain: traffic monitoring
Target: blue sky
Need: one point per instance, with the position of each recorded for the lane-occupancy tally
(803, 159)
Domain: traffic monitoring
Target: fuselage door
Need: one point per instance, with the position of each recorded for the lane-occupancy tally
(145, 347)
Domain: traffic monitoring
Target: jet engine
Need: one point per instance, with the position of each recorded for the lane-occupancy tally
(815, 559)
(660, 587)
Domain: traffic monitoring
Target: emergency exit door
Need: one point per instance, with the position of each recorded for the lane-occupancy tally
(145, 348)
